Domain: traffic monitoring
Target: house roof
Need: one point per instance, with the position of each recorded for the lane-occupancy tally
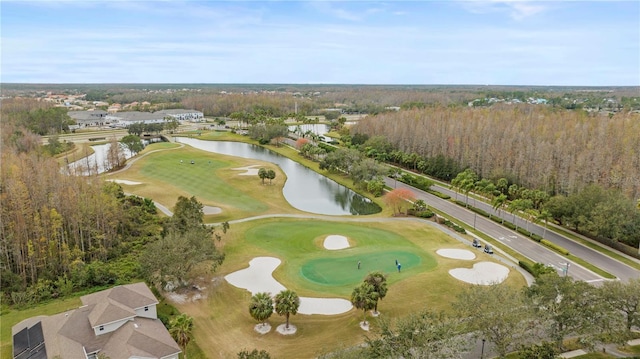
(176, 111)
(136, 116)
(134, 296)
(144, 338)
(87, 115)
(71, 334)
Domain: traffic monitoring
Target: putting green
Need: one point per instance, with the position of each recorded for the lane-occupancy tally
(308, 264)
(344, 270)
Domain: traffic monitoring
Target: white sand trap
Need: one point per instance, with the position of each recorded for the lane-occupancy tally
(131, 183)
(211, 210)
(248, 170)
(335, 242)
(324, 306)
(457, 254)
(484, 273)
(257, 278)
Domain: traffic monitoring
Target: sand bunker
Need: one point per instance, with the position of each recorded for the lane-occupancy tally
(457, 254)
(249, 170)
(335, 242)
(211, 210)
(484, 273)
(257, 278)
(131, 183)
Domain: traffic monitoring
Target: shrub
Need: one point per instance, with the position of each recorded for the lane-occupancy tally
(425, 214)
(327, 147)
(536, 237)
(526, 266)
(524, 232)
(438, 194)
(510, 225)
(554, 246)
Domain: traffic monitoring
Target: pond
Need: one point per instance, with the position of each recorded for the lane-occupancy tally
(304, 189)
(97, 162)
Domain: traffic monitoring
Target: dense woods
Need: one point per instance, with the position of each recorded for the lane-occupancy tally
(538, 147)
(580, 168)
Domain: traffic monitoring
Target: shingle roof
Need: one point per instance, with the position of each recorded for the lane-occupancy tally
(109, 311)
(70, 334)
(144, 338)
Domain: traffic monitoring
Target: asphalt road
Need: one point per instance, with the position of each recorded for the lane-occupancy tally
(530, 249)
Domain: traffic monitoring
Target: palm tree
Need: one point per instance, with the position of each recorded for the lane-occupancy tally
(498, 202)
(261, 307)
(379, 283)
(364, 297)
(181, 328)
(545, 216)
(287, 302)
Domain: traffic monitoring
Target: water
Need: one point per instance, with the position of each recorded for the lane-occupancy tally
(304, 189)
(97, 162)
(317, 128)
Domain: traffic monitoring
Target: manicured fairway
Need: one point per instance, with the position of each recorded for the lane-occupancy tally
(201, 179)
(308, 265)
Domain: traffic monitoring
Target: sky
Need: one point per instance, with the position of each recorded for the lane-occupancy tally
(482, 42)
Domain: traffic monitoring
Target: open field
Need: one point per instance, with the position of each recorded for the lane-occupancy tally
(224, 326)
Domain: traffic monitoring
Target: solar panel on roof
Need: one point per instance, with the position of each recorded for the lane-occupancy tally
(24, 355)
(29, 343)
(20, 342)
(35, 335)
(40, 353)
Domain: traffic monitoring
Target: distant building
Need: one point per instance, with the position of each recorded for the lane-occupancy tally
(124, 119)
(120, 323)
(89, 118)
(183, 115)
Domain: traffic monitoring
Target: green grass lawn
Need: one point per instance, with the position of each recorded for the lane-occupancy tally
(224, 325)
(310, 266)
(343, 271)
(212, 179)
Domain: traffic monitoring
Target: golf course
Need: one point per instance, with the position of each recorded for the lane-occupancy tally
(263, 224)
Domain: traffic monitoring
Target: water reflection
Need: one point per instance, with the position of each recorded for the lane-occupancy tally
(304, 189)
(97, 162)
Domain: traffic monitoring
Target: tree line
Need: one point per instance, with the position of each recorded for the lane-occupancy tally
(61, 232)
(580, 182)
(557, 151)
(533, 321)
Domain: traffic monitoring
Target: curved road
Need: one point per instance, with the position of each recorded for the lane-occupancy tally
(620, 270)
(530, 249)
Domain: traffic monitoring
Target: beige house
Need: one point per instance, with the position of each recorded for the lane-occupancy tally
(120, 323)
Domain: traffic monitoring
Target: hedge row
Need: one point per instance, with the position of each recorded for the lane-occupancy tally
(454, 226)
(526, 266)
(438, 194)
(327, 147)
(554, 246)
(425, 214)
(417, 182)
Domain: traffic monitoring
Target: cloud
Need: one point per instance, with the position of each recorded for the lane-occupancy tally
(515, 9)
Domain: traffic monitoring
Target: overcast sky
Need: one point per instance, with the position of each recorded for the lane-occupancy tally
(510, 42)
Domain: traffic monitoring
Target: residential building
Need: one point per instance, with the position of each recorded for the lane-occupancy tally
(119, 323)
